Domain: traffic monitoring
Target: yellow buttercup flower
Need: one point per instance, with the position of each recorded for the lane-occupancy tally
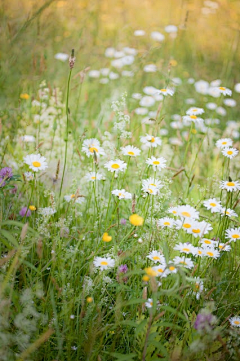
(136, 220)
(146, 278)
(24, 96)
(89, 299)
(32, 208)
(150, 272)
(106, 237)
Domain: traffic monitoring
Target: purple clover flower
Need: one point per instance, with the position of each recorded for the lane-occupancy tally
(123, 268)
(123, 221)
(204, 322)
(5, 173)
(25, 212)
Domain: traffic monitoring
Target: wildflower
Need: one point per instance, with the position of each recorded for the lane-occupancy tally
(36, 162)
(211, 253)
(122, 269)
(25, 212)
(149, 303)
(28, 138)
(183, 261)
(61, 56)
(199, 251)
(106, 237)
(91, 147)
(103, 262)
(150, 68)
(28, 176)
(166, 222)
(200, 228)
(171, 29)
(147, 101)
(156, 35)
(194, 111)
(172, 269)
(89, 299)
(150, 272)
(116, 166)
(5, 174)
(173, 210)
(213, 205)
(141, 111)
(224, 91)
(208, 242)
(187, 224)
(136, 96)
(235, 321)
(156, 257)
(166, 92)
(230, 102)
(228, 212)
(187, 211)
(151, 186)
(74, 198)
(24, 96)
(123, 221)
(145, 278)
(131, 151)
(150, 90)
(72, 317)
(150, 141)
(32, 208)
(224, 143)
(230, 185)
(205, 321)
(136, 220)
(161, 270)
(122, 194)
(94, 74)
(197, 287)
(139, 33)
(92, 176)
(185, 248)
(192, 118)
(230, 152)
(47, 211)
(233, 234)
(224, 247)
(157, 163)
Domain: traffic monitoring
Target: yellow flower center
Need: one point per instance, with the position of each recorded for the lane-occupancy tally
(150, 190)
(166, 224)
(131, 153)
(235, 236)
(186, 249)
(210, 254)
(222, 88)
(152, 184)
(73, 196)
(196, 230)
(187, 225)
(172, 268)
(236, 322)
(224, 143)
(213, 204)
(115, 166)
(156, 258)
(160, 270)
(199, 252)
(227, 212)
(229, 152)
(207, 241)
(156, 162)
(163, 90)
(104, 263)
(92, 149)
(152, 140)
(193, 117)
(186, 214)
(220, 246)
(197, 286)
(230, 184)
(182, 262)
(174, 212)
(93, 177)
(36, 164)
(194, 110)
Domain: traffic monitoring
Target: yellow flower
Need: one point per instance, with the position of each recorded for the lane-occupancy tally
(32, 208)
(173, 62)
(106, 237)
(24, 96)
(194, 131)
(150, 272)
(136, 220)
(146, 278)
(89, 299)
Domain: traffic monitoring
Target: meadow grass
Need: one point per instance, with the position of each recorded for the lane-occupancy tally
(120, 232)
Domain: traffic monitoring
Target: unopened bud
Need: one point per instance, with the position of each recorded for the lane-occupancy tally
(72, 59)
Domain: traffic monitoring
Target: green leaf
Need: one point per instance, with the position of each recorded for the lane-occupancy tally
(172, 310)
(9, 237)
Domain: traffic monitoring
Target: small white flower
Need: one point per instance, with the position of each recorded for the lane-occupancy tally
(116, 166)
(166, 222)
(171, 29)
(156, 257)
(224, 91)
(141, 111)
(36, 162)
(28, 176)
(150, 90)
(92, 176)
(230, 102)
(187, 211)
(224, 247)
(122, 194)
(161, 270)
(94, 73)
(139, 33)
(224, 143)
(72, 197)
(213, 205)
(91, 146)
(156, 35)
(151, 186)
(233, 234)
(136, 96)
(47, 211)
(211, 106)
(150, 68)
(205, 242)
(103, 262)
(183, 261)
(230, 152)
(28, 138)
(211, 253)
(130, 150)
(228, 212)
(230, 186)
(187, 248)
(194, 111)
(150, 141)
(166, 92)
(61, 56)
(147, 101)
(157, 163)
(192, 118)
(235, 321)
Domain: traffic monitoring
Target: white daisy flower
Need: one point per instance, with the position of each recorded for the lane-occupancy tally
(151, 186)
(183, 261)
(61, 56)
(194, 111)
(228, 212)
(172, 269)
(150, 141)
(224, 91)
(224, 143)
(122, 194)
(103, 262)
(187, 211)
(36, 162)
(197, 287)
(229, 102)
(141, 111)
(230, 152)
(149, 303)
(161, 270)
(224, 247)
(72, 197)
(92, 145)
(211, 253)
(192, 118)
(199, 251)
(166, 91)
(150, 90)
(47, 211)
(139, 33)
(233, 234)
(221, 111)
(156, 257)
(187, 248)
(173, 210)
(205, 242)
(213, 205)
(131, 151)
(116, 165)
(94, 73)
(211, 106)
(156, 35)
(157, 163)
(200, 228)
(147, 101)
(187, 224)
(235, 321)
(230, 186)
(171, 29)
(92, 176)
(150, 68)
(166, 222)
(136, 96)
(28, 176)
